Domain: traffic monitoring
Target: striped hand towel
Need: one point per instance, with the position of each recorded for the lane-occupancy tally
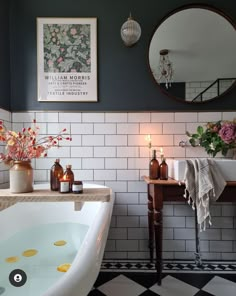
(204, 184)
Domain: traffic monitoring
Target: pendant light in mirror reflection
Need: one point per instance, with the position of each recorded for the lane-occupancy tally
(130, 32)
(165, 68)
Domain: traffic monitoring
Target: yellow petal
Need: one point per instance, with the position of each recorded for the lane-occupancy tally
(10, 142)
(29, 253)
(64, 267)
(60, 243)
(14, 134)
(12, 259)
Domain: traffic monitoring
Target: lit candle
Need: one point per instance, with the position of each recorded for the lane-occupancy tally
(64, 185)
(161, 153)
(149, 139)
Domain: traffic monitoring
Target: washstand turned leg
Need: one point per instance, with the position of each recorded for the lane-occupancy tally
(158, 241)
(198, 258)
(151, 227)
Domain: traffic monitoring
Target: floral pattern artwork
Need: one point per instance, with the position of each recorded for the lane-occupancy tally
(67, 48)
(67, 59)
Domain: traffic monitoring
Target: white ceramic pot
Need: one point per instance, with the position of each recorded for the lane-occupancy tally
(21, 177)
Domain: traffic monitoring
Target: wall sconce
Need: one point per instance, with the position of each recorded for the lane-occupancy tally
(130, 32)
(165, 68)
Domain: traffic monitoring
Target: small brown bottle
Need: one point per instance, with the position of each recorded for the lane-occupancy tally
(69, 175)
(164, 170)
(154, 167)
(56, 174)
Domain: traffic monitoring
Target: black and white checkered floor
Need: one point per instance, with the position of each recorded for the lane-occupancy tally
(131, 282)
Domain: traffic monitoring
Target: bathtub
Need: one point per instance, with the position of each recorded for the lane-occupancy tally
(42, 278)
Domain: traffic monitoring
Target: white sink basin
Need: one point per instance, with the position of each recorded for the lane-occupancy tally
(227, 168)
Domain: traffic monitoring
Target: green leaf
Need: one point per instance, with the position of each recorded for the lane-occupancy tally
(188, 134)
(195, 136)
(192, 142)
(200, 130)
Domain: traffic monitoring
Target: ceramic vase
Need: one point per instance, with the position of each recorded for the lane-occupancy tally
(21, 177)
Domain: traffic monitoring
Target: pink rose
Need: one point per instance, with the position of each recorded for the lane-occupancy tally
(60, 59)
(50, 63)
(228, 132)
(73, 31)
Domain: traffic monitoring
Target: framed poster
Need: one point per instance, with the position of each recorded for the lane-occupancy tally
(67, 59)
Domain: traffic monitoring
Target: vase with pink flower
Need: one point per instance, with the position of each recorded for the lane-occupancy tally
(21, 147)
(217, 137)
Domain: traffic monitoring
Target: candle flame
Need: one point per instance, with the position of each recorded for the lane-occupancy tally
(148, 138)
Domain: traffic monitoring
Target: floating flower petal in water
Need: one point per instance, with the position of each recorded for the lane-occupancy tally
(64, 267)
(29, 253)
(12, 259)
(60, 243)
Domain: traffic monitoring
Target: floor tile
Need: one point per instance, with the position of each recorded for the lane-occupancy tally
(168, 265)
(219, 286)
(173, 284)
(171, 287)
(149, 293)
(121, 286)
(145, 279)
(194, 279)
(96, 293)
(104, 277)
(230, 277)
(203, 293)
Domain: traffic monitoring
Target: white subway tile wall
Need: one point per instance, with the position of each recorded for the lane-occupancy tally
(193, 89)
(111, 149)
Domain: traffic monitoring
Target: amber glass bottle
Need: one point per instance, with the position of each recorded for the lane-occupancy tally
(56, 174)
(164, 170)
(69, 175)
(154, 167)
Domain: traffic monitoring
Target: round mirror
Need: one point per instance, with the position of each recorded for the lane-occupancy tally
(192, 54)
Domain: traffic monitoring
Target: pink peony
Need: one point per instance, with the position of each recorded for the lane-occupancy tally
(228, 132)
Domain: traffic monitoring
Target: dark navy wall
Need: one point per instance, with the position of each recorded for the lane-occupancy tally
(4, 56)
(123, 75)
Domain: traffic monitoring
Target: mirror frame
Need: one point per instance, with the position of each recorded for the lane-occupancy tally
(179, 9)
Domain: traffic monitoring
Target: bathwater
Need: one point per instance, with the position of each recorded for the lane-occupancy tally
(43, 252)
